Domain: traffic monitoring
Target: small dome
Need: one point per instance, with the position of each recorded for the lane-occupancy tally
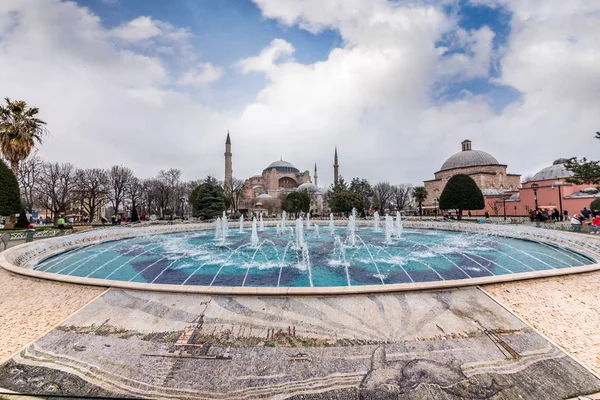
(556, 171)
(469, 158)
(258, 203)
(282, 166)
(264, 196)
(308, 187)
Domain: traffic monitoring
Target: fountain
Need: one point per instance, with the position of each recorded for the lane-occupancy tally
(262, 224)
(351, 229)
(254, 237)
(299, 234)
(290, 259)
(331, 226)
(283, 215)
(389, 227)
(376, 221)
(398, 224)
(218, 228)
(308, 221)
(241, 224)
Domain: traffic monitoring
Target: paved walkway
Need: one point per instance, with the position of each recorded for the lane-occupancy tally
(30, 308)
(564, 308)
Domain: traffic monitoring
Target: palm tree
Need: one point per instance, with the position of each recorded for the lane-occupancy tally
(20, 130)
(419, 193)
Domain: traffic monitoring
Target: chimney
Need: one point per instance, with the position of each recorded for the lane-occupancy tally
(466, 145)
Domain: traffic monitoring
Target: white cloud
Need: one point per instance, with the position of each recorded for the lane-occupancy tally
(373, 96)
(202, 74)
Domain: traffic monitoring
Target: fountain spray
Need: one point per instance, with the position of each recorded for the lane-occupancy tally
(218, 228)
(389, 227)
(331, 227)
(262, 224)
(307, 221)
(398, 224)
(299, 234)
(241, 224)
(254, 237)
(376, 221)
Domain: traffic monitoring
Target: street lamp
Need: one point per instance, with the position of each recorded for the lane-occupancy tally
(535, 187)
(559, 184)
(504, 206)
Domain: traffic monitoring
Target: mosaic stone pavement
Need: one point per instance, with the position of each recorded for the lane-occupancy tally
(431, 345)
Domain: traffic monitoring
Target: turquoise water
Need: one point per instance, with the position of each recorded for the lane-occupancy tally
(196, 258)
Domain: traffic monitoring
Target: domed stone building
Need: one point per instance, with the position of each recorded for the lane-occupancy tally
(487, 172)
(262, 192)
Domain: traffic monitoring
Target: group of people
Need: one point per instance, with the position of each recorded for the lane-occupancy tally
(578, 220)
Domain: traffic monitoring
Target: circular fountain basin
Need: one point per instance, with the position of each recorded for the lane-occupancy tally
(194, 261)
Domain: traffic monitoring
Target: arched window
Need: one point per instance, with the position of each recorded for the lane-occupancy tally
(287, 183)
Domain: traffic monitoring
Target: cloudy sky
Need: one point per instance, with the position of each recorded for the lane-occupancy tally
(396, 85)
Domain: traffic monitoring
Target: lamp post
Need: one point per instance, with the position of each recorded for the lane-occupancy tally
(559, 184)
(504, 206)
(535, 187)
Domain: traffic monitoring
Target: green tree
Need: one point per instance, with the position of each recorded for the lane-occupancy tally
(22, 221)
(363, 188)
(461, 193)
(345, 201)
(209, 199)
(595, 205)
(10, 198)
(419, 193)
(584, 171)
(296, 202)
(134, 215)
(20, 129)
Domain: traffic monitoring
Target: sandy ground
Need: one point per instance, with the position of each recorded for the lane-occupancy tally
(31, 307)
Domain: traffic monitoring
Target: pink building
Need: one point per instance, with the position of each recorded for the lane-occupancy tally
(553, 191)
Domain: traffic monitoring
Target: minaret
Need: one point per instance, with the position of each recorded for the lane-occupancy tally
(335, 167)
(228, 167)
(316, 176)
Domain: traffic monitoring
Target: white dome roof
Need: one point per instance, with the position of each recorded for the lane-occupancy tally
(308, 187)
(469, 158)
(282, 166)
(264, 196)
(556, 171)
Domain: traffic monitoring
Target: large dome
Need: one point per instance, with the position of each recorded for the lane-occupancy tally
(469, 158)
(556, 171)
(282, 166)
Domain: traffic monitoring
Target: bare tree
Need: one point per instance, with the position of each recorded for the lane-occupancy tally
(135, 190)
(30, 172)
(118, 179)
(383, 192)
(235, 194)
(92, 190)
(56, 185)
(403, 195)
(165, 186)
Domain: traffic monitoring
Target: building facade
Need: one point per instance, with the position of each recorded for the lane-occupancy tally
(489, 174)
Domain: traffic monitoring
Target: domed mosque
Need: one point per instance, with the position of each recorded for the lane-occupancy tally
(487, 172)
(262, 192)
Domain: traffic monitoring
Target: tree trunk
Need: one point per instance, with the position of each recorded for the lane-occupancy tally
(14, 165)
(420, 210)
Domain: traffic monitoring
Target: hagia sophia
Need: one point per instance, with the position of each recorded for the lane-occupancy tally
(262, 192)
(500, 188)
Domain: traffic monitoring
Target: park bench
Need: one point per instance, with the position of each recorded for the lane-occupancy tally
(516, 221)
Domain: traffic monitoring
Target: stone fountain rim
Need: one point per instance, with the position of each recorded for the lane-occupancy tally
(8, 263)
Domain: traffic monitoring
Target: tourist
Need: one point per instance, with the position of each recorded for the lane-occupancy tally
(585, 213)
(576, 223)
(469, 213)
(61, 223)
(487, 214)
(555, 215)
(595, 225)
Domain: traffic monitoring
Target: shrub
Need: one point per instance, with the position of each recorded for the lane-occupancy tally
(10, 197)
(461, 193)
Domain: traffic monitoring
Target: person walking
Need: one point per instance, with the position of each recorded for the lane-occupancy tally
(61, 223)
(585, 213)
